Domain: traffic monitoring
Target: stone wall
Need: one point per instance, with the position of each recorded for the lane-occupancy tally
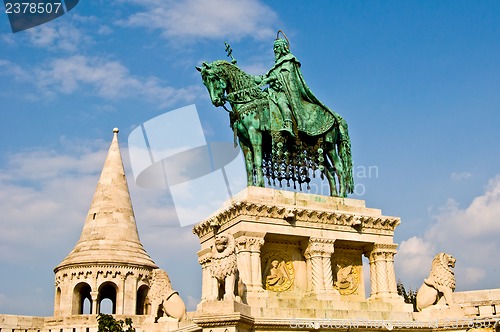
(479, 303)
(12, 323)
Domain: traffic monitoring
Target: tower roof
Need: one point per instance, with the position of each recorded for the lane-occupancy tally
(109, 235)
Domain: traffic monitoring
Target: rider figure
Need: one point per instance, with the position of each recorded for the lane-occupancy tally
(291, 100)
(278, 79)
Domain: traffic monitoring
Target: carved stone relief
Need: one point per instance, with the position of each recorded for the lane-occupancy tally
(346, 276)
(278, 271)
(347, 269)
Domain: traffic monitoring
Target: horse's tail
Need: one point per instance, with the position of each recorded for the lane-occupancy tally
(344, 151)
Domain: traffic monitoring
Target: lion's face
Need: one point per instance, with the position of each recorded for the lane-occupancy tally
(220, 243)
(450, 260)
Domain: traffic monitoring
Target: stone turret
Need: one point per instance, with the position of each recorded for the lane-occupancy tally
(108, 261)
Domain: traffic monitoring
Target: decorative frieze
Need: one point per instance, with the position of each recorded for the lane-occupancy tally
(351, 220)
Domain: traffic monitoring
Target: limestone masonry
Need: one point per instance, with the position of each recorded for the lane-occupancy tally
(271, 260)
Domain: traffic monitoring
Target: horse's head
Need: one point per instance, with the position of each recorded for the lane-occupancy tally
(216, 85)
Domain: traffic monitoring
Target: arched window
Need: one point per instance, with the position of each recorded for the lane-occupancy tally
(57, 301)
(87, 306)
(107, 291)
(106, 307)
(81, 294)
(142, 306)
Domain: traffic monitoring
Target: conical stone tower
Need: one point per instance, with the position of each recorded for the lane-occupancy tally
(108, 261)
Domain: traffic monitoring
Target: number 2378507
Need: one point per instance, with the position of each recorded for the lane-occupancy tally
(33, 7)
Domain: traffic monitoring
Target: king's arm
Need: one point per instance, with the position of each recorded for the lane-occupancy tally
(272, 80)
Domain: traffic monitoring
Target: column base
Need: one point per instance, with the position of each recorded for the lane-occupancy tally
(221, 308)
(324, 295)
(387, 297)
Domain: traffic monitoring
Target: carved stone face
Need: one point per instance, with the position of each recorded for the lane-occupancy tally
(220, 243)
(451, 261)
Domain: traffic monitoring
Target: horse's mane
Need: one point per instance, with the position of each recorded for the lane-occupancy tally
(240, 79)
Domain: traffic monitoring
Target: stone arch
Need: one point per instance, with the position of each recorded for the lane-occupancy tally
(107, 290)
(81, 292)
(143, 306)
(57, 301)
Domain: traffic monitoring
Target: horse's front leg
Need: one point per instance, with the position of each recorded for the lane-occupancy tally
(339, 170)
(330, 175)
(256, 140)
(247, 153)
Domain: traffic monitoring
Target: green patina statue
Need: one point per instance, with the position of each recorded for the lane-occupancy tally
(284, 131)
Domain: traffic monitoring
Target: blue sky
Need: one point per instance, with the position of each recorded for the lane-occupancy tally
(417, 81)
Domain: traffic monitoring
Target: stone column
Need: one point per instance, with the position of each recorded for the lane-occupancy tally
(373, 276)
(391, 274)
(130, 283)
(327, 266)
(120, 295)
(244, 253)
(94, 296)
(204, 259)
(382, 275)
(256, 269)
(318, 259)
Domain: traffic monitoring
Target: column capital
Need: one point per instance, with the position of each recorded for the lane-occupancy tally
(249, 243)
(204, 256)
(94, 295)
(204, 260)
(319, 247)
(381, 251)
(385, 247)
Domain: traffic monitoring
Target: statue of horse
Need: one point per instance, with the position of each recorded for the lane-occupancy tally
(273, 154)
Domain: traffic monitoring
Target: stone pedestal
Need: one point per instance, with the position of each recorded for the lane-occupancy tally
(438, 313)
(300, 255)
(230, 316)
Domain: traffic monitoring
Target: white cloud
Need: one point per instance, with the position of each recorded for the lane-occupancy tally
(205, 19)
(94, 75)
(8, 38)
(474, 275)
(470, 234)
(66, 75)
(40, 200)
(58, 36)
(27, 165)
(8, 68)
(481, 219)
(70, 36)
(460, 176)
(104, 30)
(413, 260)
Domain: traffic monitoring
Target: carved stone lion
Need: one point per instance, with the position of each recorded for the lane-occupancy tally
(164, 300)
(225, 269)
(440, 283)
